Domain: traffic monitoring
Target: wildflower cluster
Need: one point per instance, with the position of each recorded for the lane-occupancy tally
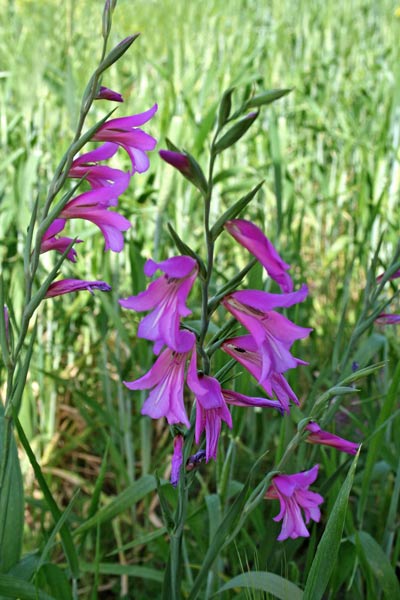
(106, 184)
(265, 351)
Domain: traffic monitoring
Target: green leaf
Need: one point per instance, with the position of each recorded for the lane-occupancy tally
(11, 587)
(117, 52)
(11, 499)
(52, 578)
(380, 565)
(130, 570)
(233, 211)
(235, 133)
(225, 107)
(266, 582)
(131, 495)
(185, 249)
(267, 97)
(328, 548)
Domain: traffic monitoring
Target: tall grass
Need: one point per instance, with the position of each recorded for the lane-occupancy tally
(329, 154)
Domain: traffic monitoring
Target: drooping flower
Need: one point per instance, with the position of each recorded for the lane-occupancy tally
(245, 350)
(211, 408)
(166, 382)
(273, 333)
(388, 319)
(166, 298)
(107, 94)
(93, 206)
(318, 436)
(177, 459)
(124, 131)
(86, 166)
(65, 286)
(237, 399)
(60, 244)
(251, 237)
(294, 497)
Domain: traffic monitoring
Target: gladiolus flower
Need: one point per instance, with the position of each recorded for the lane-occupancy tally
(107, 94)
(395, 275)
(294, 496)
(388, 319)
(177, 459)
(244, 350)
(211, 408)
(92, 206)
(177, 160)
(60, 244)
(65, 286)
(86, 167)
(273, 333)
(237, 399)
(251, 237)
(167, 297)
(124, 132)
(318, 436)
(166, 381)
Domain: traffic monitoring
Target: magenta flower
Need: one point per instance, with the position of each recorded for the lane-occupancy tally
(65, 286)
(166, 381)
(87, 166)
(237, 399)
(395, 275)
(60, 244)
(294, 496)
(107, 94)
(177, 459)
(252, 238)
(166, 297)
(211, 408)
(273, 333)
(318, 436)
(92, 206)
(388, 319)
(244, 350)
(124, 132)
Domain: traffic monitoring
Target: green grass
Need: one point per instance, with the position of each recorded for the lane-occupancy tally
(329, 155)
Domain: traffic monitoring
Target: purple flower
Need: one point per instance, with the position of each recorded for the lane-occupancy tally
(60, 244)
(86, 166)
(177, 160)
(237, 399)
(166, 297)
(166, 381)
(177, 459)
(244, 350)
(92, 206)
(294, 496)
(273, 333)
(107, 94)
(65, 286)
(388, 319)
(252, 238)
(395, 275)
(318, 436)
(211, 408)
(125, 133)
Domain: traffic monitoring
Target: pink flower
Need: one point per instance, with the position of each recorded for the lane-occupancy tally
(65, 286)
(211, 408)
(87, 166)
(60, 244)
(244, 350)
(273, 333)
(124, 132)
(166, 381)
(177, 160)
(388, 319)
(318, 436)
(166, 297)
(92, 206)
(237, 399)
(177, 459)
(294, 496)
(252, 238)
(107, 94)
